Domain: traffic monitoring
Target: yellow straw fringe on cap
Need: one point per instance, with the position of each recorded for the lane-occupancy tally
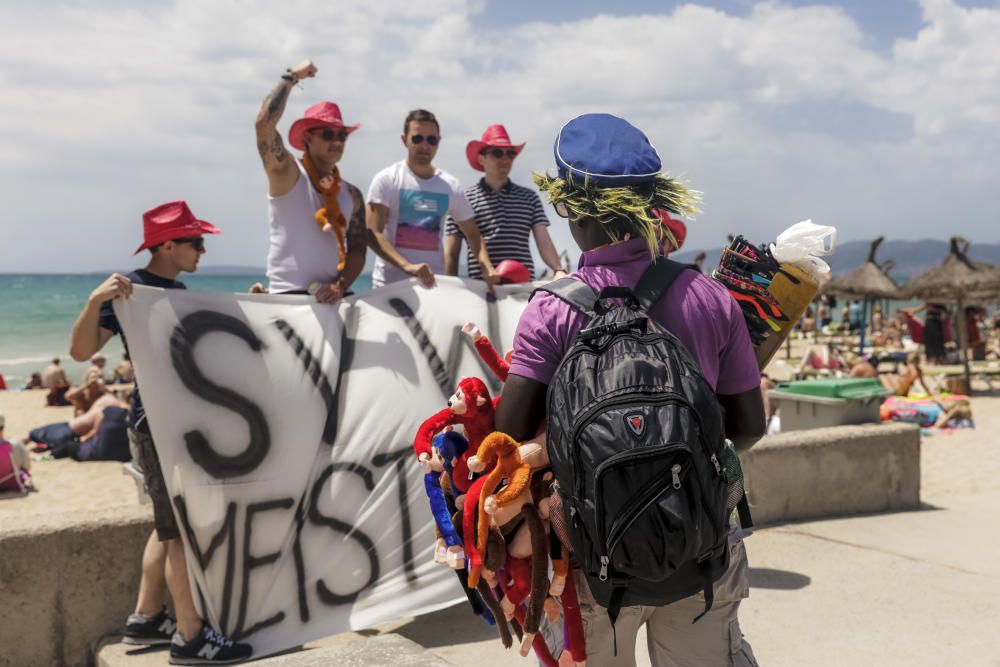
(634, 202)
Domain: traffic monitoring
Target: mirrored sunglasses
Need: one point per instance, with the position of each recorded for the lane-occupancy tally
(498, 153)
(419, 139)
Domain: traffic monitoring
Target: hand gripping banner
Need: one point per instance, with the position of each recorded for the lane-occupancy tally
(285, 432)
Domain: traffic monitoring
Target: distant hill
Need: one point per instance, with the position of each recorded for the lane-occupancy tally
(912, 257)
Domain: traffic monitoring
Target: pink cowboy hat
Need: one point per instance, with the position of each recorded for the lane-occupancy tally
(495, 135)
(321, 114)
(170, 221)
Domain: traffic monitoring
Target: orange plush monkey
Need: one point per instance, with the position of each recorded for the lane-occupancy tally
(500, 451)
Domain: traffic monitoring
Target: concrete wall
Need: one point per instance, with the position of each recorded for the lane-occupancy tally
(833, 471)
(66, 581)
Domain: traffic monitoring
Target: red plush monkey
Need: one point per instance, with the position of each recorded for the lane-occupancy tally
(499, 365)
(471, 407)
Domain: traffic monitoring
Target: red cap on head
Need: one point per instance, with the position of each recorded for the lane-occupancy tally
(321, 114)
(495, 135)
(676, 227)
(170, 221)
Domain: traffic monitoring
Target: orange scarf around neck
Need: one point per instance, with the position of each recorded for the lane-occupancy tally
(330, 217)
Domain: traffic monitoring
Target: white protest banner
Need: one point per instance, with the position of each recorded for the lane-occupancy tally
(285, 431)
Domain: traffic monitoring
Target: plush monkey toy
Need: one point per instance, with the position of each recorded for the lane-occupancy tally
(499, 451)
(447, 449)
(471, 407)
(499, 365)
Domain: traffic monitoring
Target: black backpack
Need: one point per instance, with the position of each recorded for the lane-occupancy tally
(635, 437)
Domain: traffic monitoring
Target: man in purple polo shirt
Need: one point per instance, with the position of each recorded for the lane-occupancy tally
(608, 187)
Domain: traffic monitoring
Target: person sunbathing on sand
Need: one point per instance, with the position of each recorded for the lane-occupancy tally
(901, 383)
(821, 360)
(84, 396)
(81, 427)
(861, 367)
(953, 409)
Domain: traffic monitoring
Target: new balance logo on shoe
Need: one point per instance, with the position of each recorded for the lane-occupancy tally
(208, 651)
(149, 631)
(208, 648)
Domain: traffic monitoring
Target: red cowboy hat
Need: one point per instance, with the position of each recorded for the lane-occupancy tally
(495, 135)
(321, 114)
(676, 227)
(512, 271)
(170, 221)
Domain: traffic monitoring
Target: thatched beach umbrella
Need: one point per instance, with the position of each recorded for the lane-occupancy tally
(956, 280)
(868, 282)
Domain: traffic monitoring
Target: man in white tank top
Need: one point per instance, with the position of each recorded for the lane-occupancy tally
(317, 224)
(407, 205)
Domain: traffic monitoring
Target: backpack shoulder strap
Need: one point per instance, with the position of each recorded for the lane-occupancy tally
(576, 293)
(657, 279)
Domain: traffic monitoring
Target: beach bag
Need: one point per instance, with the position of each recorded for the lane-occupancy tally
(12, 478)
(645, 473)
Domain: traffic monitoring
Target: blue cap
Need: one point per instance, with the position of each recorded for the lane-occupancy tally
(606, 150)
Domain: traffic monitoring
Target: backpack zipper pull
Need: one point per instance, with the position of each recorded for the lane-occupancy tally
(604, 569)
(715, 462)
(676, 470)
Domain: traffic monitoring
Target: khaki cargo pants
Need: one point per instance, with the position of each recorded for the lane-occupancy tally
(714, 641)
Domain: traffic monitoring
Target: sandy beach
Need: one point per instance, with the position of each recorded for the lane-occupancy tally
(64, 485)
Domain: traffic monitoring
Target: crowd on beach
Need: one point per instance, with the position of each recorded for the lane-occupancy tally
(417, 219)
(931, 325)
(97, 431)
(897, 351)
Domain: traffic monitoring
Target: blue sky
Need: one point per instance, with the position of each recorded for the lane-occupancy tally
(879, 116)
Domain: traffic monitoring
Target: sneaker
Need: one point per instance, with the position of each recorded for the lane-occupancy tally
(149, 631)
(208, 648)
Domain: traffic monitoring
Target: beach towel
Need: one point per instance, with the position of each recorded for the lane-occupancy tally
(920, 410)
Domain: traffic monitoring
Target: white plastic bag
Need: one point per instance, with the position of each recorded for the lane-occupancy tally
(803, 244)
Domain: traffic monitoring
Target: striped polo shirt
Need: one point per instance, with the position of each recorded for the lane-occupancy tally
(505, 220)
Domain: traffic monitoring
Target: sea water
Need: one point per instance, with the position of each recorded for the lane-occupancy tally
(37, 312)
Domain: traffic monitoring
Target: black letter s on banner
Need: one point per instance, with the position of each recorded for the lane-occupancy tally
(182, 342)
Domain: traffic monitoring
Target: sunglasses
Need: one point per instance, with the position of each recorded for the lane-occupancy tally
(197, 242)
(561, 210)
(499, 153)
(329, 135)
(419, 139)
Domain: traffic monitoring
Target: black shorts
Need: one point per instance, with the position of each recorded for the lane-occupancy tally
(163, 512)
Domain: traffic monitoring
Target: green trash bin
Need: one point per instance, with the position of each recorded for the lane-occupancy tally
(828, 402)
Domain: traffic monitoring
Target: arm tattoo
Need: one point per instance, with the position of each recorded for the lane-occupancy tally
(357, 233)
(276, 101)
(278, 148)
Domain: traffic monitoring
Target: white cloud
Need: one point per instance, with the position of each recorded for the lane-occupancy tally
(109, 110)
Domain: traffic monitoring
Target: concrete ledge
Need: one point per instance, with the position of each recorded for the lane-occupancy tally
(833, 471)
(389, 650)
(66, 581)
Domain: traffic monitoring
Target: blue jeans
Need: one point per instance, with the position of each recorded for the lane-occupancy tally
(53, 434)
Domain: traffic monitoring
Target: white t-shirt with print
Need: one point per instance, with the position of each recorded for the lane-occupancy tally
(417, 211)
